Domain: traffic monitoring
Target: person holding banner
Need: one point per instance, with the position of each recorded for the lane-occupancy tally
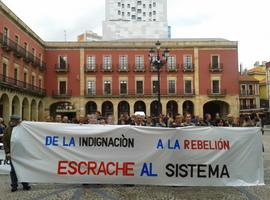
(14, 121)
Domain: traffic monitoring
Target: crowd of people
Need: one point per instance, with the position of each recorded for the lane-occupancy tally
(178, 120)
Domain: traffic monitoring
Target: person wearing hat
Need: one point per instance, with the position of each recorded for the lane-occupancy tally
(14, 121)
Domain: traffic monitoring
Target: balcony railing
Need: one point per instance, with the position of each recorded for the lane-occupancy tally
(216, 67)
(61, 67)
(245, 107)
(20, 52)
(61, 94)
(134, 93)
(171, 68)
(139, 68)
(90, 68)
(123, 68)
(107, 68)
(188, 67)
(21, 86)
(219, 93)
(247, 93)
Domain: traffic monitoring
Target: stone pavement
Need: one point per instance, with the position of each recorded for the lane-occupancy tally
(114, 192)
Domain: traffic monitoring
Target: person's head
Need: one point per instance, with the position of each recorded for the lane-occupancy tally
(188, 118)
(102, 121)
(149, 120)
(92, 119)
(58, 118)
(1, 120)
(220, 122)
(110, 120)
(208, 117)
(14, 120)
(178, 118)
(65, 119)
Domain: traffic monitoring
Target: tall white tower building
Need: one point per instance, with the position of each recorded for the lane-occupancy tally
(127, 19)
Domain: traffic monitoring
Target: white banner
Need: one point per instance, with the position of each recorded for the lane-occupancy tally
(105, 154)
(4, 164)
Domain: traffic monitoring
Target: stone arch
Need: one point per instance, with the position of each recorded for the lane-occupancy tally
(107, 109)
(40, 111)
(139, 106)
(90, 107)
(216, 106)
(172, 108)
(155, 108)
(188, 107)
(123, 108)
(34, 110)
(25, 109)
(16, 106)
(4, 107)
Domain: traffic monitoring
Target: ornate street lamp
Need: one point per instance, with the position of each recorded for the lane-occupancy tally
(267, 67)
(156, 60)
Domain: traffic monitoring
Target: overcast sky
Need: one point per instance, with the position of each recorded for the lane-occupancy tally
(245, 21)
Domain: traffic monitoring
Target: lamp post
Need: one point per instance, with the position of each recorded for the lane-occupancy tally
(158, 61)
(267, 67)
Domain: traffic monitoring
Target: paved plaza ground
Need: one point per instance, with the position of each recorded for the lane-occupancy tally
(114, 192)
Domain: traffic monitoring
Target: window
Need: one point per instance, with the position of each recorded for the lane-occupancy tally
(243, 90)
(107, 63)
(25, 46)
(139, 62)
(139, 3)
(33, 51)
(119, 4)
(188, 62)
(119, 12)
(171, 86)
(139, 11)
(123, 63)
(171, 63)
(123, 87)
(215, 86)
(62, 87)
(215, 62)
(133, 17)
(123, 14)
(154, 12)
(123, 5)
(144, 14)
(139, 19)
(133, 9)
(150, 14)
(5, 70)
(128, 14)
(155, 87)
(40, 83)
(144, 6)
(63, 62)
(91, 63)
(33, 80)
(139, 87)
(16, 39)
(150, 6)
(154, 4)
(5, 36)
(250, 90)
(188, 86)
(107, 87)
(24, 79)
(91, 87)
(128, 5)
(15, 76)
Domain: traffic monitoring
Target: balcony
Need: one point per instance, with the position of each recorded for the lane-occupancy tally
(188, 67)
(20, 86)
(20, 52)
(247, 107)
(216, 67)
(217, 93)
(247, 93)
(61, 67)
(171, 68)
(139, 68)
(107, 68)
(123, 68)
(61, 94)
(147, 93)
(90, 68)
